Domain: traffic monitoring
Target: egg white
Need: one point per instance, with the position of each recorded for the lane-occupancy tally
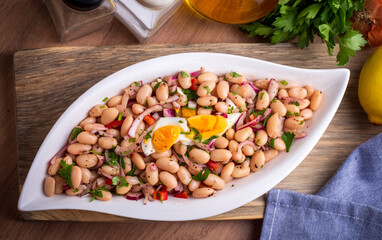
(147, 145)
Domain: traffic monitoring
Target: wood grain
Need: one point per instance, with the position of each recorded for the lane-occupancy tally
(49, 80)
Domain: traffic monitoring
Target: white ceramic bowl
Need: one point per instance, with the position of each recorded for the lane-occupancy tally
(332, 82)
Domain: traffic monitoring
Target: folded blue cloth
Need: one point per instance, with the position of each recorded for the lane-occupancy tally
(349, 206)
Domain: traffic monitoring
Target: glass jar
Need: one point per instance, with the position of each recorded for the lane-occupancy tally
(144, 17)
(76, 18)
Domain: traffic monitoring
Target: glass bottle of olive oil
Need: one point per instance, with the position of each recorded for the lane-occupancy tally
(233, 11)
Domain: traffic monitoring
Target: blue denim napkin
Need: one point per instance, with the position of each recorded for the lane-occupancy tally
(349, 206)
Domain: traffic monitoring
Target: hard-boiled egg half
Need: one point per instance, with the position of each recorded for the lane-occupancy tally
(212, 125)
(169, 130)
(164, 133)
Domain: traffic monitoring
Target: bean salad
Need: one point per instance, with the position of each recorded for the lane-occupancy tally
(180, 136)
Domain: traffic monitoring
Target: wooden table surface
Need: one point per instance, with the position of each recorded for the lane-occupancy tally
(27, 25)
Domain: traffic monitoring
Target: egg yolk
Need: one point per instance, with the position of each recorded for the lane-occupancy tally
(165, 137)
(208, 125)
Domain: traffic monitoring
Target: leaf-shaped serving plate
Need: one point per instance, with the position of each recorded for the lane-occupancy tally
(332, 82)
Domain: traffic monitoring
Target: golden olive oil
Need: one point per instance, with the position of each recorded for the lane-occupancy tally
(233, 11)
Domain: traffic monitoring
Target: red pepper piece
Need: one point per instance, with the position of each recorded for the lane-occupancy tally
(213, 165)
(115, 124)
(108, 182)
(149, 120)
(181, 195)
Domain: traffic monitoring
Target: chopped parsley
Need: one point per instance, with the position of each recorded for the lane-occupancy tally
(191, 95)
(230, 110)
(289, 113)
(156, 86)
(272, 142)
(202, 175)
(204, 107)
(75, 132)
(296, 113)
(148, 135)
(131, 140)
(257, 113)
(235, 74)
(180, 121)
(120, 117)
(197, 135)
(123, 164)
(97, 192)
(274, 100)
(302, 122)
(208, 89)
(262, 95)
(132, 171)
(285, 83)
(127, 152)
(172, 93)
(185, 133)
(288, 139)
(137, 84)
(296, 103)
(66, 172)
(234, 93)
(102, 106)
(232, 185)
(184, 74)
(96, 152)
(266, 120)
(105, 99)
(113, 158)
(119, 182)
(210, 139)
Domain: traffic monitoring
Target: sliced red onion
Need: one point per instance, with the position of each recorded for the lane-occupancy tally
(133, 180)
(174, 77)
(300, 135)
(273, 88)
(193, 166)
(159, 187)
(181, 160)
(230, 103)
(61, 151)
(179, 187)
(176, 105)
(168, 112)
(195, 74)
(170, 99)
(246, 142)
(65, 187)
(257, 127)
(156, 116)
(172, 88)
(107, 157)
(282, 126)
(290, 100)
(134, 126)
(179, 90)
(131, 102)
(192, 104)
(240, 121)
(202, 146)
(211, 144)
(101, 160)
(104, 174)
(134, 196)
(257, 119)
(253, 87)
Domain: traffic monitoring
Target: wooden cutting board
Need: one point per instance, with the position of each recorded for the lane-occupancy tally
(49, 80)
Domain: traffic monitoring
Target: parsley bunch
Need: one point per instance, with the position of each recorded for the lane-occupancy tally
(328, 19)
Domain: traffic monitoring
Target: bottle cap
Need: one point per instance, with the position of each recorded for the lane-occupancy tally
(83, 5)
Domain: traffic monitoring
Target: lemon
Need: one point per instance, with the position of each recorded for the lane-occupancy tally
(370, 87)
